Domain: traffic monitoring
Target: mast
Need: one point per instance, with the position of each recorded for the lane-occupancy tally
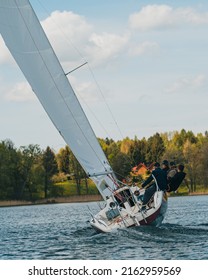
(28, 44)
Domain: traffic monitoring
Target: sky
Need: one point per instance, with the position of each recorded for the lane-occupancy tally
(146, 71)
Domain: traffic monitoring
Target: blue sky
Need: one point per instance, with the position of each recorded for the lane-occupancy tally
(149, 60)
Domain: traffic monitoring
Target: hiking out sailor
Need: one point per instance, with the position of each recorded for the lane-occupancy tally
(172, 171)
(165, 165)
(160, 176)
(176, 180)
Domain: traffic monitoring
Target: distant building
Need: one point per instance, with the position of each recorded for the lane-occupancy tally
(142, 170)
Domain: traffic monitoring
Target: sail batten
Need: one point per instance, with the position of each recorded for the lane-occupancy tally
(27, 42)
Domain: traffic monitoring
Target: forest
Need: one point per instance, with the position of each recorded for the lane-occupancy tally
(30, 173)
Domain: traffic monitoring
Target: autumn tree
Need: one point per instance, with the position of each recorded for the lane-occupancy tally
(172, 152)
(63, 160)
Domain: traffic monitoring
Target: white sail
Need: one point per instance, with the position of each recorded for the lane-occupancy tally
(27, 42)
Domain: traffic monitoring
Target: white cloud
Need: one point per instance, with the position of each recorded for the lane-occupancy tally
(106, 46)
(187, 83)
(67, 32)
(145, 47)
(75, 41)
(70, 34)
(72, 26)
(20, 92)
(73, 38)
(164, 16)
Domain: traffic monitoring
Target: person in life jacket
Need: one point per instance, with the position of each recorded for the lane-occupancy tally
(160, 176)
(172, 171)
(175, 181)
(165, 165)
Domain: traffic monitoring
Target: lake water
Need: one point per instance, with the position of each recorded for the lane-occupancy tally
(62, 231)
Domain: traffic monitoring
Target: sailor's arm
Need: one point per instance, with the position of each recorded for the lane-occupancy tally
(146, 182)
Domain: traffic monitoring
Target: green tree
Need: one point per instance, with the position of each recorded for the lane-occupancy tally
(9, 173)
(179, 139)
(172, 153)
(30, 156)
(203, 164)
(138, 151)
(121, 165)
(63, 160)
(50, 168)
(112, 150)
(155, 148)
(78, 173)
(191, 156)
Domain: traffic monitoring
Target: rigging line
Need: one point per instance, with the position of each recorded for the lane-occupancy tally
(55, 82)
(61, 30)
(75, 69)
(113, 180)
(108, 107)
(118, 186)
(80, 54)
(101, 125)
(121, 175)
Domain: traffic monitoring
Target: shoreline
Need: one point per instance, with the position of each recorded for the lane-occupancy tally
(71, 199)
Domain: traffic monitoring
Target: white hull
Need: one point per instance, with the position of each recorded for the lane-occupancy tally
(123, 210)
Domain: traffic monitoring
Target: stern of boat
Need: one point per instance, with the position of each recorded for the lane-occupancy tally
(123, 210)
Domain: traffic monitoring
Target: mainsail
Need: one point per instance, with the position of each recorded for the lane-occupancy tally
(28, 44)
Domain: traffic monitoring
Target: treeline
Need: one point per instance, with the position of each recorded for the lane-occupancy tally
(181, 147)
(31, 173)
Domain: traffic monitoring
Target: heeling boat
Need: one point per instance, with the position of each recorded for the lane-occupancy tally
(28, 44)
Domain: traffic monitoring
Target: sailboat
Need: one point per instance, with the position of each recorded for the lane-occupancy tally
(32, 51)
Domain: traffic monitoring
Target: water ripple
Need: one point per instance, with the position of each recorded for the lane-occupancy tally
(61, 232)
